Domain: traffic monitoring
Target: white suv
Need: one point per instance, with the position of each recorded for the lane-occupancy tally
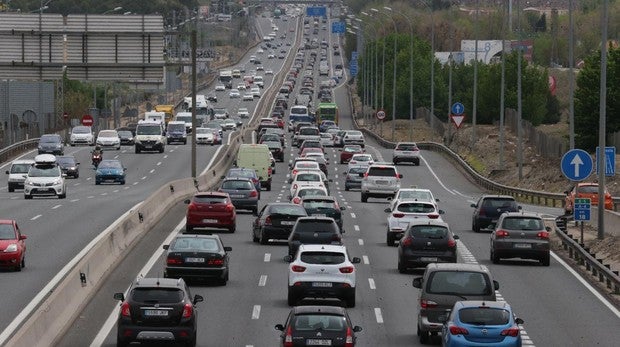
(82, 135)
(381, 180)
(322, 271)
(45, 178)
(406, 151)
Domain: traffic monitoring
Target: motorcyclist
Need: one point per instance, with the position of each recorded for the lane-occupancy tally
(97, 153)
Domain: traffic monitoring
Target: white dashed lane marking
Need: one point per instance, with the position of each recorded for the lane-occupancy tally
(267, 257)
(371, 283)
(75, 200)
(55, 207)
(353, 215)
(378, 315)
(365, 259)
(360, 242)
(256, 312)
(143, 178)
(262, 280)
(152, 170)
(158, 163)
(36, 217)
(356, 227)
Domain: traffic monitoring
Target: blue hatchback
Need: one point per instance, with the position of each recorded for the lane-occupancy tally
(110, 170)
(481, 323)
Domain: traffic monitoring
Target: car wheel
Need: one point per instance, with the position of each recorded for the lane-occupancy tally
(423, 335)
(346, 189)
(97, 182)
(474, 227)
(27, 197)
(263, 239)
(192, 342)
(137, 150)
(18, 267)
(546, 260)
(120, 342)
(291, 298)
(123, 182)
(254, 237)
(269, 187)
(161, 150)
(417, 162)
(390, 240)
(350, 300)
(189, 228)
(77, 175)
(364, 197)
(494, 257)
(401, 268)
(395, 162)
(62, 196)
(232, 229)
(11, 189)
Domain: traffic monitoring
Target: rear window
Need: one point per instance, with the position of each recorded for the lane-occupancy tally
(288, 210)
(414, 207)
(322, 257)
(484, 316)
(429, 231)
(157, 295)
(354, 133)
(461, 282)
(420, 195)
(500, 203)
(309, 177)
(309, 131)
(588, 189)
(210, 199)
(357, 170)
(407, 147)
(319, 204)
(523, 223)
(313, 225)
(319, 323)
(194, 243)
(382, 171)
(307, 165)
(237, 184)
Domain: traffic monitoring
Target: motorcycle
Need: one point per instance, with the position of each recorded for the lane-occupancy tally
(96, 158)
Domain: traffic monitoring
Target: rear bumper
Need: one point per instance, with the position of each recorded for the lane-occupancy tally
(198, 272)
(130, 332)
(278, 233)
(245, 203)
(414, 259)
(337, 290)
(512, 250)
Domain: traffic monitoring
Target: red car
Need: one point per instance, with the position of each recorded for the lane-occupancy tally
(12, 245)
(347, 152)
(211, 210)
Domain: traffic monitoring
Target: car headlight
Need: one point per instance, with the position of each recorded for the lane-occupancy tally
(58, 181)
(28, 182)
(136, 140)
(11, 248)
(40, 147)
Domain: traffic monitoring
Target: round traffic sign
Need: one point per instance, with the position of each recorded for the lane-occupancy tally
(380, 115)
(87, 120)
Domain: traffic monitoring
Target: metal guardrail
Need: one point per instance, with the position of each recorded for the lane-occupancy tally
(15, 149)
(578, 252)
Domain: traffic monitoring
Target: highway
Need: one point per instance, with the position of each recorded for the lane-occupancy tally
(558, 308)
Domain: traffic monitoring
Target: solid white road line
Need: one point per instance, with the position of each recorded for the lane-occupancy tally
(434, 175)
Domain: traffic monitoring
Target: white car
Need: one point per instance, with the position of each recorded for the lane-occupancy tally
(45, 178)
(255, 92)
(234, 93)
(361, 159)
(109, 139)
(302, 192)
(17, 172)
(260, 51)
(229, 124)
(243, 112)
(82, 135)
(205, 136)
(268, 72)
(306, 179)
(271, 56)
(353, 137)
(405, 212)
(220, 87)
(241, 86)
(415, 194)
(327, 140)
(248, 97)
(304, 165)
(322, 271)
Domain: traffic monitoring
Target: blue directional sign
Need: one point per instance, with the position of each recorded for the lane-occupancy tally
(338, 27)
(353, 68)
(458, 108)
(610, 161)
(581, 210)
(576, 165)
(317, 11)
(354, 55)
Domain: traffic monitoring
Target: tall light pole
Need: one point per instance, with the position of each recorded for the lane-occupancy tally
(393, 71)
(502, 106)
(475, 101)
(571, 77)
(376, 82)
(601, 123)
(432, 107)
(519, 96)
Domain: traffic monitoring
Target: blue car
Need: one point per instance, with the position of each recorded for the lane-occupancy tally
(481, 323)
(110, 170)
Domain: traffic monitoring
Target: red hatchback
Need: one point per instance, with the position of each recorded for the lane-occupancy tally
(12, 245)
(347, 152)
(210, 210)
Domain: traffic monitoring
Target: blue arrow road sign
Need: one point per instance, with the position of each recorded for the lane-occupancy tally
(581, 210)
(576, 165)
(610, 161)
(458, 108)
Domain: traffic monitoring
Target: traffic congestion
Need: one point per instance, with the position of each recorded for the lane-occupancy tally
(315, 236)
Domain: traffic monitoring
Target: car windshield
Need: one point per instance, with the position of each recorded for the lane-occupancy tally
(148, 130)
(44, 171)
(7, 232)
(210, 199)
(125, 133)
(308, 177)
(110, 164)
(414, 194)
(20, 168)
(484, 316)
(414, 207)
(49, 139)
(81, 130)
(588, 189)
(107, 133)
(523, 223)
(428, 231)
(352, 149)
(176, 127)
(354, 133)
(319, 322)
(382, 172)
(237, 185)
(273, 144)
(461, 282)
(195, 244)
(307, 165)
(319, 204)
(315, 225)
(69, 161)
(186, 119)
(157, 295)
(323, 257)
(362, 158)
(203, 131)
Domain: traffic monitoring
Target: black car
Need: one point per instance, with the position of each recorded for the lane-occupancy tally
(275, 147)
(488, 209)
(126, 137)
(69, 166)
(426, 241)
(324, 206)
(318, 326)
(275, 221)
(157, 309)
(212, 97)
(197, 256)
(314, 230)
(52, 144)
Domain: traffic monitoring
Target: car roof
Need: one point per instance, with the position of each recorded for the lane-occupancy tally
(325, 198)
(335, 310)
(314, 218)
(237, 178)
(424, 221)
(457, 267)
(146, 282)
(522, 214)
(282, 204)
(22, 161)
(493, 196)
(479, 303)
(327, 248)
(222, 194)
(7, 221)
(198, 236)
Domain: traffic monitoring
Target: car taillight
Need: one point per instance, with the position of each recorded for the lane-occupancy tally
(398, 215)
(454, 330)
(543, 235)
(451, 243)
(269, 171)
(347, 269)
(296, 200)
(365, 174)
(294, 172)
(348, 342)
(288, 338)
(268, 220)
(253, 194)
(298, 268)
(192, 207)
(427, 303)
(501, 233)
(215, 262)
(230, 208)
(125, 310)
(510, 332)
(295, 186)
(188, 309)
(408, 241)
(482, 212)
(174, 261)
(433, 216)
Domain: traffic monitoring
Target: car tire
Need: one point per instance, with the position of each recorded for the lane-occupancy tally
(123, 182)
(263, 239)
(346, 189)
(364, 197)
(232, 229)
(11, 189)
(546, 260)
(401, 268)
(269, 187)
(475, 227)
(189, 228)
(417, 162)
(27, 197)
(121, 343)
(423, 336)
(191, 342)
(494, 257)
(350, 299)
(390, 240)
(255, 239)
(161, 150)
(291, 298)
(395, 162)
(62, 196)
(137, 150)
(97, 182)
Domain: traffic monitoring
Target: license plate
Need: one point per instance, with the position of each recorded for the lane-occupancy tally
(320, 215)
(383, 183)
(318, 342)
(156, 313)
(209, 220)
(147, 146)
(287, 222)
(322, 284)
(194, 260)
(44, 189)
(236, 196)
(522, 245)
(429, 259)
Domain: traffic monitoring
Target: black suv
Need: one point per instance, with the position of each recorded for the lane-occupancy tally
(157, 309)
(488, 209)
(314, 230)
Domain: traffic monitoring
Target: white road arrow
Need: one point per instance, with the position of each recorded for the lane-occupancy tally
(576, 162)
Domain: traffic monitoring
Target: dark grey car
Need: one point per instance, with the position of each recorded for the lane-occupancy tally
(314, 230)
(353, 179)
(488, 209)
(520, 235)
(242, 193)
(51, 143)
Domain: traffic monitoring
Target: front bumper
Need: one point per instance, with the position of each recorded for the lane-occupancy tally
(50, 190)
(149, 146)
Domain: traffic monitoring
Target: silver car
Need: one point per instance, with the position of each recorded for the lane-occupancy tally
(243, 193)
(406, 212)
(406, 152)
(380, 181)
(353, 137)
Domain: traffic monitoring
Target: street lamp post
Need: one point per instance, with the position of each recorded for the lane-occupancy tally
(393, 69)
(376, 70)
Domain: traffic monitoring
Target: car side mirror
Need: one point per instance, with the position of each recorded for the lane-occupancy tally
(288, 258)
(166, 247)
(548, 229)
(472, 205)
(400, 175)
(456, 237)
(119, 296)
(387, 210)
(436, 200)
(442, 212)
(279, 327)
(495, 285)
(417, 282)
(519, 321)
(222, 177)
(356, 260)
(197, 299)
(342, 208)
(330, 180)
(357, 328)
(23, 237)
(227, 248)
(186, 201)
(7, 172)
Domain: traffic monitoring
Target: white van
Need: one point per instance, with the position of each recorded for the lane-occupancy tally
(154, 116)
(187, 118)
(150, 136)
(17, 173)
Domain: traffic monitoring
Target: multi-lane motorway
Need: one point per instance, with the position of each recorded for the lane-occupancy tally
(558, 307)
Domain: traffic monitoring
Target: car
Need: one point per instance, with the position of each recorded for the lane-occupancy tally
(248, 97)
(304, 323)
(220, 87)
(313, 230)
(108, 139)
(52, 144)
(361, 159)
(68, 165)
(229, 124)
(406, 152)
(303, 165)
(17, 173)
(352, 177)
(212, 97)
(442, 285)
(191, 256)
(520, 235)
(176, 131)
(319, 157)
(243, 112)
(380, 180)
(156, 309)
(234, 93)
(586, 190)
(306, 179)
(275, 221)
(12, 246)
(126, 137)
(347, 152)
(110, 170)
(214, 125)
(45, 178)
(326, 140)
(311, 143)
(255, 91)
(220, 113)
(242, 192)
(486, 322)
(326, 124)
(268, 72)
(271, 56)
(82, 135)
(424, 242)
(275, 147)
(353, 137)
(238, 121)
(406, 212)
(324, 206)
(488, 208)
(417, 194)
(244, 173)
(321, 271)
(210, 210)
(306, 133)
(205, 136)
